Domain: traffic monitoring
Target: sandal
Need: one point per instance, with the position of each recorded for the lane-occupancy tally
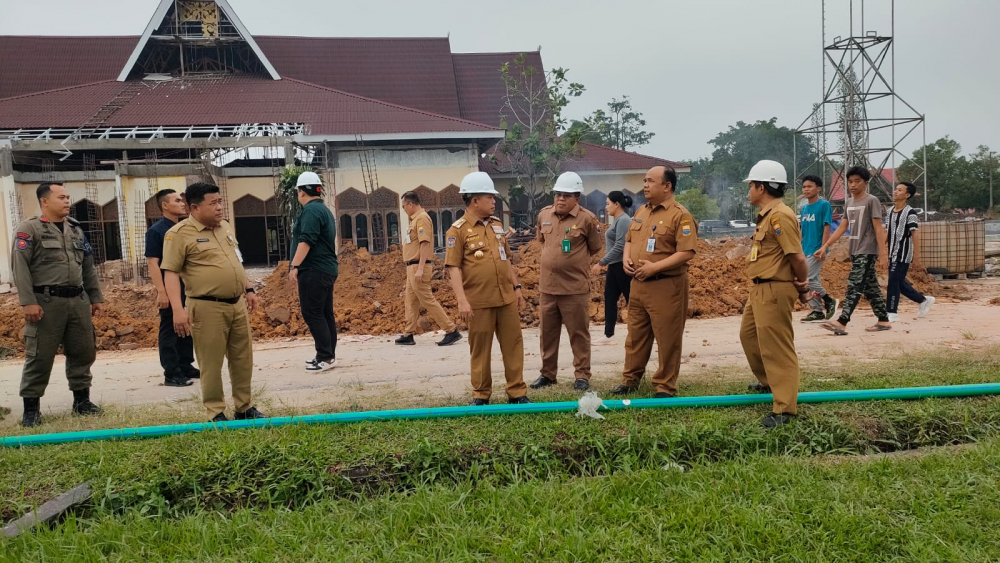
(877, 328)
(834, 328)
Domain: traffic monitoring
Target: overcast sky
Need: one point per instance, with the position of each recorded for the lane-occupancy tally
(693, 67)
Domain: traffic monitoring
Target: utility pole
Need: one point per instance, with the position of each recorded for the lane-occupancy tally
(992, 166)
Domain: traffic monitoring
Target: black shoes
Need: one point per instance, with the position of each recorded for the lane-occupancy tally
(221, 417)
(774, 420)
(406, 340)
(449, 339)
(542, 381)
(623, 390)
(82, 405)
(519, 400)
(479, 402)
(249, 414)
(177, 381)
(581, 385)
(663, 395)
(32, 412)
(758, 388)
(192, 373)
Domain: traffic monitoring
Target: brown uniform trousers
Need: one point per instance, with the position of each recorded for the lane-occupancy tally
(481, 252)
(209, 264)
(564, 283)
(418, 291)
(767, 332)
(657, 307)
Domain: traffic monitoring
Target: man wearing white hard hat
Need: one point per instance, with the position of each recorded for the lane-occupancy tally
(779, 273)
(314, 269)
(489, 296)
(570, 236)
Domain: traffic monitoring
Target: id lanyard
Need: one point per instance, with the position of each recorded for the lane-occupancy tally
(651, 242)
(565, 243)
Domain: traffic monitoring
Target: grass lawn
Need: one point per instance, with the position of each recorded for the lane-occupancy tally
(686, 484)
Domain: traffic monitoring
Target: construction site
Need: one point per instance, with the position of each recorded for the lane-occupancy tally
(196, 97)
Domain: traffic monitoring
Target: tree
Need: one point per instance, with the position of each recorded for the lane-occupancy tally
(950, 181)
(853, 138)
(533, 149)
(699, 204)
(287, 196)
(621, 127)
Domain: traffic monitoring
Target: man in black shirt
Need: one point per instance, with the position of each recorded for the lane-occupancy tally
(176, 353)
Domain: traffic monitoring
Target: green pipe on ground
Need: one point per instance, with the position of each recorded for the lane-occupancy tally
(904, 393)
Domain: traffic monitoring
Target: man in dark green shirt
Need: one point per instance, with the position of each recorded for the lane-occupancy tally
(314, 269)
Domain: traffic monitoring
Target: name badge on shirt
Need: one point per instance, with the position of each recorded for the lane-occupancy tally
(239, 255)
(503, 253)
(203, 240)
(650, 244)
(407, 238)
(753, 252)
(498, 229)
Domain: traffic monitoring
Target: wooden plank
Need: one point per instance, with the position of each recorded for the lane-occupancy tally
(49, 511)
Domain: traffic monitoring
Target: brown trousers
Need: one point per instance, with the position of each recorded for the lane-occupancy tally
(574, 312)
(656, 309)
(505, 323)
(769, 341)
(418, 294)
(221, 331)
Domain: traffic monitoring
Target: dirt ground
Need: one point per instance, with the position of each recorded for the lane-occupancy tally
(374, 373)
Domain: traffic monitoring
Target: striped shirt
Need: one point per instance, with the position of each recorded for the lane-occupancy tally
(900, 226)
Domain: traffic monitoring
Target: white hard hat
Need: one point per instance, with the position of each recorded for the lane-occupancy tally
(569, 182)
(477, 183)
(308, 179)
(767, 171)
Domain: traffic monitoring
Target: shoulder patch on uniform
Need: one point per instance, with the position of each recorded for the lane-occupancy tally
(451, 242)
(22, 244)
(459, 223)
(686, 229)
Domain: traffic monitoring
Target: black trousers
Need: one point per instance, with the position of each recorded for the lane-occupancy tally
(176, 353)
(616, 282)
(316, 302)
(898, 284)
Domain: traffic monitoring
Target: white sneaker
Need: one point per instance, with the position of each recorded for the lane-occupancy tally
(603, 341)
(322, 365)
(893, 317)
(925, 307)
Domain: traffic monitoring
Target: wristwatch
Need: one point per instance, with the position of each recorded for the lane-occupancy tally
(517, 287)
(251, 290)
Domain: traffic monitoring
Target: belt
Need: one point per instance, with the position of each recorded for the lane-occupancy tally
(413, 262)
(758, 281)
(660, 277)
(230, 301)
(59, 290)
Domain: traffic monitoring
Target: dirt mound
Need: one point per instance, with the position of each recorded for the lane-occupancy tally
(369, 296)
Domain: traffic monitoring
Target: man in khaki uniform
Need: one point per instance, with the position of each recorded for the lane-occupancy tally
(417, 250)
(570, 235)
(485, 284)
(779, 272)
(660, 241)
(53, 268)
(202, 251)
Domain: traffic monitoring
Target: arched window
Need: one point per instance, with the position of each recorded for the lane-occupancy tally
(392, 222)
(346, 229)
(437, 232)
(361, 230)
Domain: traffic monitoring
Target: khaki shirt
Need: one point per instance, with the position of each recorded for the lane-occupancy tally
(207, 260)
(486, 276)
(562, 272)
(672, 229)
(421, 230)
(777, 235)
(44, 255)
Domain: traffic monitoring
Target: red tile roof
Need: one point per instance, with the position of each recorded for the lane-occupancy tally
(36, 64)
(412, 72)
(226, 101)
(480, 89)
(596, 158)
(837, 183)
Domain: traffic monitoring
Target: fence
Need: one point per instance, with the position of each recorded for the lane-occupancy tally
(953, 247)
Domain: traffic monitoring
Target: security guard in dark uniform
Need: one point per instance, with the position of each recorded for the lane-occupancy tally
(202, 251)
(779, 272)
(486, 287)
(53, 267)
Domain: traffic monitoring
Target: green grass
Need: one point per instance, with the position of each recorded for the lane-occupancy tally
(548, 486)
(937, 507)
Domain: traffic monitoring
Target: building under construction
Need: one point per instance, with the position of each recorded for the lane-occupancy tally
(196, 97)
